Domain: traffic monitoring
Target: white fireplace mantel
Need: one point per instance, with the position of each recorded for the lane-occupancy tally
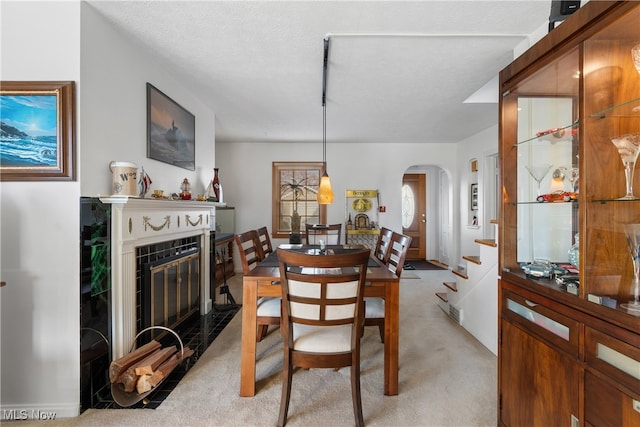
(139, 222)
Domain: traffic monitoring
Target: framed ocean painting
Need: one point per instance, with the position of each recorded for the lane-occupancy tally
(171, 131)
(37, 132)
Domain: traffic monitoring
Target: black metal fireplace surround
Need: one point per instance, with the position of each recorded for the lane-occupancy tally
(159, 301)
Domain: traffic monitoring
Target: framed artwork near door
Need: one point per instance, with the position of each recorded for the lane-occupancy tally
(37, 131)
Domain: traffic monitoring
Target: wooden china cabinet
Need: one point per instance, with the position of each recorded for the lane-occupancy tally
(569, 331)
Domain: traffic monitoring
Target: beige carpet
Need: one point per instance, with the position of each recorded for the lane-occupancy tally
(446, 378)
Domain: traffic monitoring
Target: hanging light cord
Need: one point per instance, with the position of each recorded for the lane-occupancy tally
(325, 64)
(324, 136)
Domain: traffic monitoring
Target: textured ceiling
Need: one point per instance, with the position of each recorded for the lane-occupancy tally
(399, 71)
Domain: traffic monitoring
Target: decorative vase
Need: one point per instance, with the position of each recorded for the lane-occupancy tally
(216, 185)
(295, 236)
(574, 252)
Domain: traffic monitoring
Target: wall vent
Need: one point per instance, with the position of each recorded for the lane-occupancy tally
(456, 314)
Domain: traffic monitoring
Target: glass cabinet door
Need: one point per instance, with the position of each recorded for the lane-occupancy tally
(611, 145)
(543, 199)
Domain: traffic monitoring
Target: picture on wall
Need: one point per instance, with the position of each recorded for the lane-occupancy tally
(474, 197)
(37, 135)
(171, 131)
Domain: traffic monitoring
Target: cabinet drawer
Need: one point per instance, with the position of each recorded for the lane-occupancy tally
(605, 405)
(556, 329)
(616, 354)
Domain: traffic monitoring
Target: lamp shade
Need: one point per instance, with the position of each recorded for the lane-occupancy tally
(325, 193)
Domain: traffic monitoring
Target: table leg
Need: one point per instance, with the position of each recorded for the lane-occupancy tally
(248, 350)
(391, 338)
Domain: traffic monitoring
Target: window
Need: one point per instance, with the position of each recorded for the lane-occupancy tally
(295, 188)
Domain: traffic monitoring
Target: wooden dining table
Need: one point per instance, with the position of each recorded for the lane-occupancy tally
(262, 281)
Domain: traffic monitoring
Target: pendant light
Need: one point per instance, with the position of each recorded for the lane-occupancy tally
(325, 193)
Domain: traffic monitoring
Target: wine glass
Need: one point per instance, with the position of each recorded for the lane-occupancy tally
(538, 172)
(628, 146)
(633, 239)
(574, 174)
(635, 55)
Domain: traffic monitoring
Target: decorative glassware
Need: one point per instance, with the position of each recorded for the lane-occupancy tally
(574, 251)
(633, 239)
(538, 172)
(635, 55)
(628, 147)
(574, 174)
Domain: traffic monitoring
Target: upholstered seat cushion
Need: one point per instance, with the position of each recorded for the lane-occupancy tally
(374, 307)
(269, 306)
(322, 339)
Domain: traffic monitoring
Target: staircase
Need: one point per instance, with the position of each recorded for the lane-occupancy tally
(472, 299)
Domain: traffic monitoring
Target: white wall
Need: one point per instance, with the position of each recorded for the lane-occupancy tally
(350, 166)
(479, 146)
(40, 225)
(114, 75)
(39, 249)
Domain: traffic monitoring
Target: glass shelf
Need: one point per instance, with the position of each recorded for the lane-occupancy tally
(628, 109)
(603, 201)
(535, 202)
(548, 135)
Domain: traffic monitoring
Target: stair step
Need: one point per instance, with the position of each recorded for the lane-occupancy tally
(442, 296)
(451, 285)
(439, 264)
(487, 242)
(472, 258)
(460, 273)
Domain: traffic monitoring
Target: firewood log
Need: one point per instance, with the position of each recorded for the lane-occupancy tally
(151, 363)
(143, 385)
(129, 378)
(119, 366)
(168, 366)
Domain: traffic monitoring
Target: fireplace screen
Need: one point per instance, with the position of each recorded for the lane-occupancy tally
(172, 291)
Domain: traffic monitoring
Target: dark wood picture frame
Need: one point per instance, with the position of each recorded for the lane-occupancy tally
(171, 131)
(37, 134)
(474, 197)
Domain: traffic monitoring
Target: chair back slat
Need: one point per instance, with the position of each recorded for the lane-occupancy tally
(250, 250)
(265, 240)
(382, 244)
(322, 290)
(330, 233)
(397, 252)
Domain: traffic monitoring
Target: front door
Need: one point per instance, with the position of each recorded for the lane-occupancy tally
(414, 217)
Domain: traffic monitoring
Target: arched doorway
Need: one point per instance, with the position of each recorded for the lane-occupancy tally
(426, 212)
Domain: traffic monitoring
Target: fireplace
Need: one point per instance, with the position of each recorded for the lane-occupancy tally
(168, 285)
(144, 262)
(152, 242)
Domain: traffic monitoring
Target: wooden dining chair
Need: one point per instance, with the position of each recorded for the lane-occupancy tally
(322, 317)
(397, 249)
(265, 241)
(382, 244)
(268, 308)
(330, 233)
